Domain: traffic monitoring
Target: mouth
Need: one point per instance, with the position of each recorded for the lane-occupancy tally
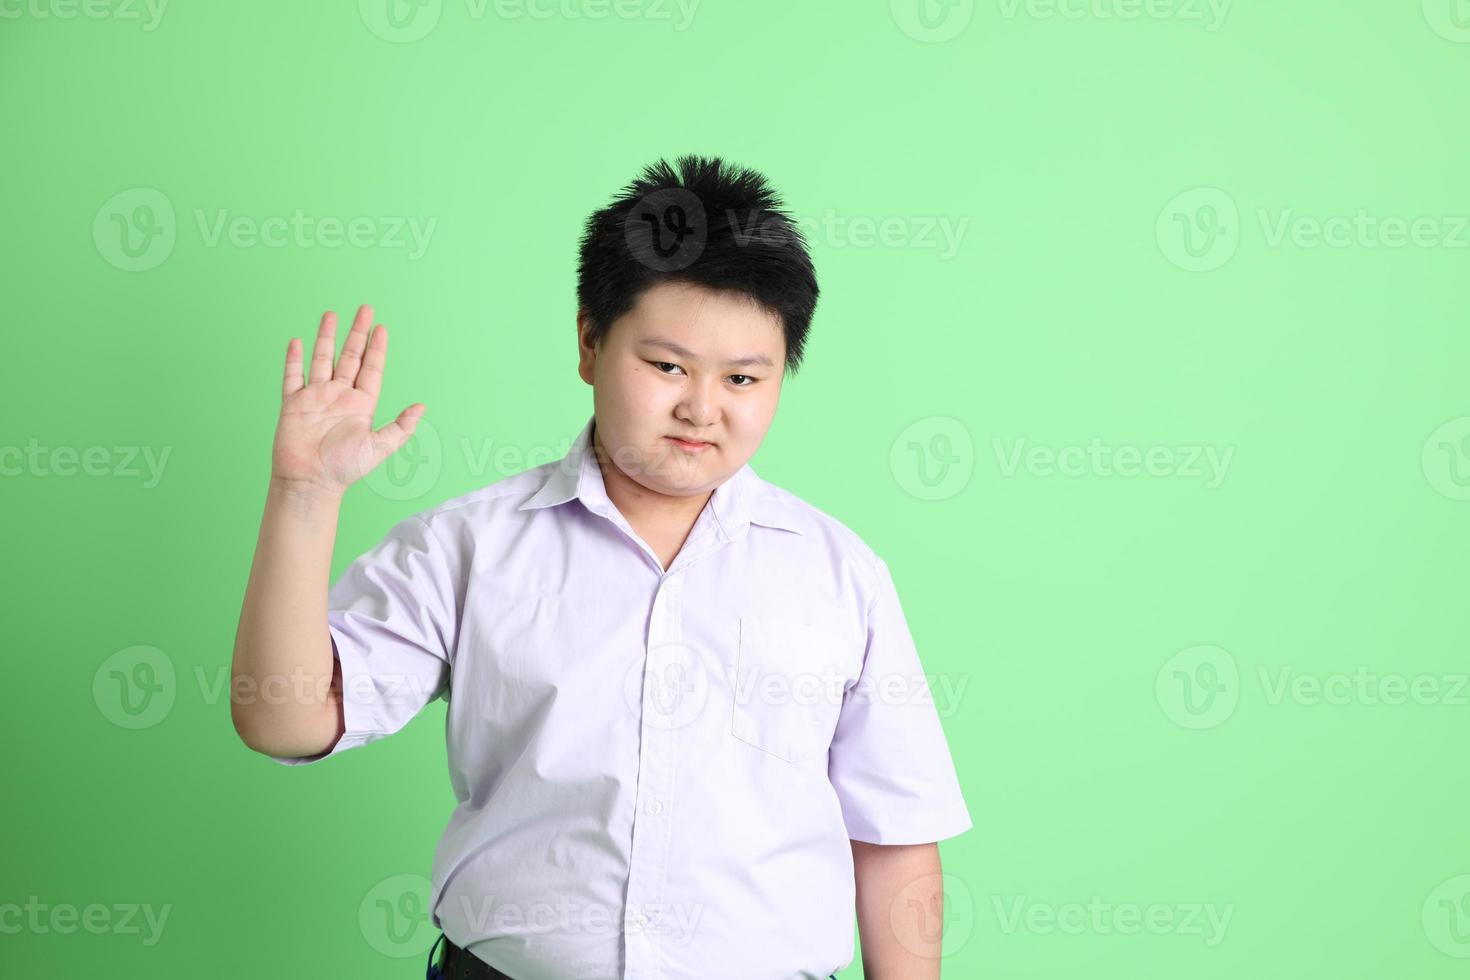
(689, 445)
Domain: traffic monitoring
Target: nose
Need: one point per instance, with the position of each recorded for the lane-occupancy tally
(698, 408)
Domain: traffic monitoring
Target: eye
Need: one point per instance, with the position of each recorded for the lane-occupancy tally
(663, 364)
(746, 377)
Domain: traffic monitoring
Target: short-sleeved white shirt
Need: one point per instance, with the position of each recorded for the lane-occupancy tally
(657, 772)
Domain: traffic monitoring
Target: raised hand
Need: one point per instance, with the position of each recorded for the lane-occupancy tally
(325, 440)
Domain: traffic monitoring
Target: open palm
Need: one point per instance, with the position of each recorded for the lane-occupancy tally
(325, 440)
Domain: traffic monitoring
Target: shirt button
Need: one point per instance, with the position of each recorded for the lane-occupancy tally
(639, 921)
(655, 807)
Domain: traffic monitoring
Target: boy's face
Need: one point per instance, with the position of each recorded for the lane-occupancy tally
(645, 391)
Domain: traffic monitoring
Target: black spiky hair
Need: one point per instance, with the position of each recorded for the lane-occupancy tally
(709, 223)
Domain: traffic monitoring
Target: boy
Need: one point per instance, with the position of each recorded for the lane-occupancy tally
(684, 706)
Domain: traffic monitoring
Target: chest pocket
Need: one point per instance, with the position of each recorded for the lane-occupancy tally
(789, 681)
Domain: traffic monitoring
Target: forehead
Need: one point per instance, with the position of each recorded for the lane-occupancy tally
(717, 325)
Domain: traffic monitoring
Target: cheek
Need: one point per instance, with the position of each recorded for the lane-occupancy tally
(631, 383)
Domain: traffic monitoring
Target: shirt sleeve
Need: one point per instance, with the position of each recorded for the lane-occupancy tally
(393, 619)
(889, 761)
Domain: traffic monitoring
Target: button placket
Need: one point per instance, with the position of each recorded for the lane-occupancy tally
(658, 743)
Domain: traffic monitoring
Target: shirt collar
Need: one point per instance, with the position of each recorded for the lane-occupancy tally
(741, 500)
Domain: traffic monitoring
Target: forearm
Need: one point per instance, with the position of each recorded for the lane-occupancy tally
(282, 700)
(900, 909)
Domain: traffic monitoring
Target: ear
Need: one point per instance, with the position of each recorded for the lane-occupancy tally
(586, 354)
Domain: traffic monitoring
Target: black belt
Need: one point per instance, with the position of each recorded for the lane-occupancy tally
(459, 964)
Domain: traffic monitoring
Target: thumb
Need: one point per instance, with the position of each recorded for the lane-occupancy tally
(391, 437)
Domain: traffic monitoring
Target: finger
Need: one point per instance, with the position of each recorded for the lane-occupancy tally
(326, 346)
(391, 437)
(351, 357)
(292, 381)
(370, 375)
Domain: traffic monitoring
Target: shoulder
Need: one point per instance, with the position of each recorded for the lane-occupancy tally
(819, 529)
(485, 508)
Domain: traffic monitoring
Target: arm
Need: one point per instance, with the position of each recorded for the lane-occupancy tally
(286, 684)
(285, 693)
(900, 905)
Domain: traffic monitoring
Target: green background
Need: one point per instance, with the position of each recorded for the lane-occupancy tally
(1118, 642)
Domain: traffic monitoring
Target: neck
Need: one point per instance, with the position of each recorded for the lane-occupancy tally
(640, 505)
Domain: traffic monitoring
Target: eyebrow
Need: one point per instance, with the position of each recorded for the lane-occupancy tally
(682, 351)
